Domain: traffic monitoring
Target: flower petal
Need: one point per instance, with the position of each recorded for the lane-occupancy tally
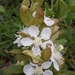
(28, 70)
(46, 33)
(33, 64)
(56, 66)
(33, 31)
(43, 45)
(46, 65)
(48, 21)
(27, 41)
(18, 41)
(47, 72)
(25, 30)
(36, 50)
(33, 14)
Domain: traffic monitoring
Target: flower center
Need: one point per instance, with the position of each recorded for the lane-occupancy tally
(37, 41)
(38, 70)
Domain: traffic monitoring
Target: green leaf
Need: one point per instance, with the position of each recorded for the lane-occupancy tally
(16, 51)
(54, 29)
(71, 15)
(48, 11)
(13, 69)
(26, 2)
(61, 41)
(68, 72)
(25, 14)
(35, 59)
(55, 36)
(61, 9)
(64, 67)
(46, 6)
(72, 5)
(22, 57)
(2, 10)
(39, 16)
(36, 4)
(46, 54)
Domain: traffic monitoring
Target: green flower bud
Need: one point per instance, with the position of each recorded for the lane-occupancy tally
(22, 63)
(60, 48)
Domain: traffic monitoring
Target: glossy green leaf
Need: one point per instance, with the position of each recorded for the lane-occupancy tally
(61, 9)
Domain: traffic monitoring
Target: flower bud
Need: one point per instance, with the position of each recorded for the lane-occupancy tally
(22, 63)
(60, 48)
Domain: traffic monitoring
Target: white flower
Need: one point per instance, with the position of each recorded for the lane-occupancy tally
(33, 69)
(48, 21)
(33, 31)
(18, 40)
(56, 57)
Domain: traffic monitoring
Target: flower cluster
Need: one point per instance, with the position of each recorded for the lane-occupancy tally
(38, 40)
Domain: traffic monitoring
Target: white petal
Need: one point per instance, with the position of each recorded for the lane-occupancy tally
(32, 64)
(19, 44)
(18, 41)
(33, 31)
(47, 72)
(43, 45)
(56, 66)
(25, 30)
(28, 70)
(52, 45)
(36, 50)
(46, 33)
(33, 14)
(48, 21)
(27, 41)
(46, 65)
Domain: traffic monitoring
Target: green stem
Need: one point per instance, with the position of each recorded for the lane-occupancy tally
(52, 5)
